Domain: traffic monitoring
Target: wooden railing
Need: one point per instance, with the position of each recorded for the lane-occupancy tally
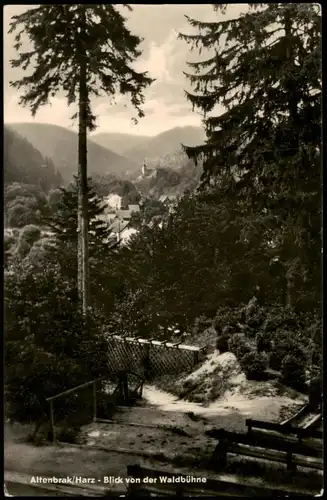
(268, 447)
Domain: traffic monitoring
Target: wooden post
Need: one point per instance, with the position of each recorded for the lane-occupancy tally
(94, 401)
(125, 389)
(52, 423)
(290, 464)
(146, 363)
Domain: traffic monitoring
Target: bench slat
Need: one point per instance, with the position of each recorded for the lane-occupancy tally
(284, 428)
(266, 441)
(274, 456)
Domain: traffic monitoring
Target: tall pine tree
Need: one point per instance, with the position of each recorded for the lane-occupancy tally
(83, 50)
(265, 70)
(61, 220)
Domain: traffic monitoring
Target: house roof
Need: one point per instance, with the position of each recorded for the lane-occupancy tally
(118, 226)
(134, 208)
(124, 214)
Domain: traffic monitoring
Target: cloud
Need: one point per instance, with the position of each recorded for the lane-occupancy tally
(57, 113)
(158, 59)
(164, 57)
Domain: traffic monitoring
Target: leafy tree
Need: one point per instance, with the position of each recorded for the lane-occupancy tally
(103, 184)
(18, 216)
(27, 237)
(19, 190)
(265, 70)
(9, 243)
(54, 198)
(149, 209)
(23, 205)
(46, 336)
(84, 50)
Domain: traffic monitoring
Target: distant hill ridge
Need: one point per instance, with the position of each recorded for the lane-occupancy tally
(23, 163)
(166, 143)
(119, 142)
(138, 147)
(60, 144)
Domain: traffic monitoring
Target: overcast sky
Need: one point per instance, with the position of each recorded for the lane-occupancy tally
(164, 57)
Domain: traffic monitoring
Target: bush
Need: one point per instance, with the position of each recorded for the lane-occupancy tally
(293, 372)
(222, 343)
(201, 323)
(275, 360)
(254, 365)
(30, 234)
(263, 342)
(283, 346)
(226, 316)
(238, 345)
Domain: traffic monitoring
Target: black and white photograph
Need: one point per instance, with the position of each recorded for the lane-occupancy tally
(163, 250)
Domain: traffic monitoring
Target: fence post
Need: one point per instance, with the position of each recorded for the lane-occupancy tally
(291, 466)
(52, 423)
(125, 388)
(146, 363)
(94, 401)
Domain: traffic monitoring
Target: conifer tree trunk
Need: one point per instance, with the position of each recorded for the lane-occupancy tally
(82, 243)
(293, 103)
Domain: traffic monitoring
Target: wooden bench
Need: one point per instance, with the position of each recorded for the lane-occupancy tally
(301, 433)
(150, 481)
(266, 447)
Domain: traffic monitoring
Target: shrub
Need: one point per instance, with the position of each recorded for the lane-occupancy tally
(222, 343)
(293, 372)
(30, 234)
(286, 345)
(254, 365)
(22, 249)
(238, 345)
(275, 360)
(201, 323)
(263, 342)
(226, 316)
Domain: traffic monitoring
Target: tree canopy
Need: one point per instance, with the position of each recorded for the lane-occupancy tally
(61, 36)
(265, 70)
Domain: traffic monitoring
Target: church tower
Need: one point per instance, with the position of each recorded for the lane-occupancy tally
(144, 168)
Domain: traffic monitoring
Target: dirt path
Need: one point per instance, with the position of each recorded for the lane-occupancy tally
(258, 402)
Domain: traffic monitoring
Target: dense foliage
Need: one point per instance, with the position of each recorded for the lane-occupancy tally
(46, 338)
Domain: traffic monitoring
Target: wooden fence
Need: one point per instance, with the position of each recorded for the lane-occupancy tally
(267, 447)
(93, 400)
(150, 357)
